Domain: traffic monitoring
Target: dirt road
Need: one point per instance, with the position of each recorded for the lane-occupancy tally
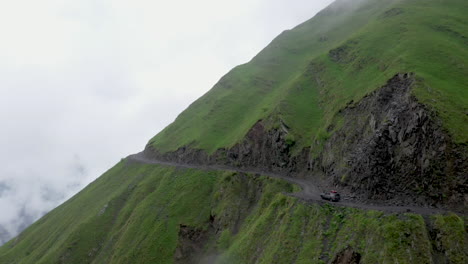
(310, 192)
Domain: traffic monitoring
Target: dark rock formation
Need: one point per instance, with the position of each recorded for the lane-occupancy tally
(392, 147)
(267, 150)
(190, 245)
(194, 243)
(347, 256)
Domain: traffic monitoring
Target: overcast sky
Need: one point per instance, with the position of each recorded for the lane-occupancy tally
(85, 83)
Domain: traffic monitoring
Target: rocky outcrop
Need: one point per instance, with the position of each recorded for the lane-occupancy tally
(267, 150)
(190, 244)
(392, 147)
(195, 244)
(347, 256)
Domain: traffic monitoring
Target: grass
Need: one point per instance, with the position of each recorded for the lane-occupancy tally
(298, 81)
(132, 214)
(452, 237)
(143, 207)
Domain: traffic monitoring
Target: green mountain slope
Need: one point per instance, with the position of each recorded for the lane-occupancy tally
(373, 40)
(156, 214)
(331, 101)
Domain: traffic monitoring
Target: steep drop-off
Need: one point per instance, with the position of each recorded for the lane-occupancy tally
(330, 101)
(369, 97)
(390, 146)
(140, 213)
(387, 147)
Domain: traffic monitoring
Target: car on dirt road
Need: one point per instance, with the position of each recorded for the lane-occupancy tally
(333, 196)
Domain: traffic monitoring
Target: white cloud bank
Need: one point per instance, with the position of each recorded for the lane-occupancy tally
(85, 83)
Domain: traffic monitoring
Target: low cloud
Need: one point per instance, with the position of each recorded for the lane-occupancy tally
(85, 83)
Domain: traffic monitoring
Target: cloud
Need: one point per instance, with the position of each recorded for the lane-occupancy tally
(85, 83)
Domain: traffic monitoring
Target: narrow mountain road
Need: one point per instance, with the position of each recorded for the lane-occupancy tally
(310, 192)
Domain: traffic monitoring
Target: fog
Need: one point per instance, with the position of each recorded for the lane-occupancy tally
(86, 83)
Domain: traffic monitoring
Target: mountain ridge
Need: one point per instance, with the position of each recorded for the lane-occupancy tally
(318, 44)
(368, 97)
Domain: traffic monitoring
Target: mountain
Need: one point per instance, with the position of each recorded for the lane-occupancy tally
(302, 98)
(369, 97)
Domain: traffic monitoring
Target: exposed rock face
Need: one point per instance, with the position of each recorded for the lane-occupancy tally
(190, 245)
(265, 149)
(392, 146)
(347, 256)
(194, 243)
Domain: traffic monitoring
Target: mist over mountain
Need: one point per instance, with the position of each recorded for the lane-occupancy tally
(342, 141)
(84, 83)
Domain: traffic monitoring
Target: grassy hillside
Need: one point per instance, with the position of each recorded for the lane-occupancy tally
(349, 49)
(129, 215)
(155, 214)
(138, 213)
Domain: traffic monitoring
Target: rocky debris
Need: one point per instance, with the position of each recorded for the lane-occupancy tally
(392, 147)
(191, 242)
(341, 54)
(267, 150)
(438, 250)
(344, 54)
(194, 243)
(347, 256)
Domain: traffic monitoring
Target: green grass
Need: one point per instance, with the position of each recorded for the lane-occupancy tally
(143, 208)
(132, 214)
(407, 42)
(453, 237)
(296, 232)
(294, 80)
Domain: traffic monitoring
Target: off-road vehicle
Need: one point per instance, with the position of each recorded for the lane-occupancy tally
(333, 196)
